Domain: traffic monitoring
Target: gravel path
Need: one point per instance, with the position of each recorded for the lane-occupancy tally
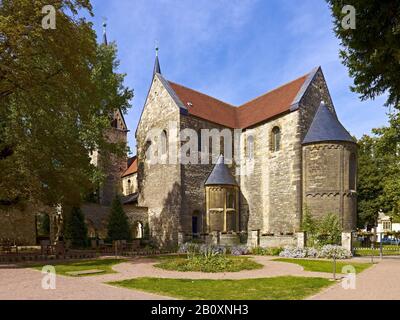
(380, 282)
(26, 284)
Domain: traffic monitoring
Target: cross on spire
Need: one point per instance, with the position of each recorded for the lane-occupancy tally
(104, 31)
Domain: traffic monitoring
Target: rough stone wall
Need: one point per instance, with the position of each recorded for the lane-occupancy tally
(326, 181)
(309, 103)
(194, 177)
(20, 224)
(159, 185)
(271, 189)
(136, 214)
(129, 188)
(113, 167)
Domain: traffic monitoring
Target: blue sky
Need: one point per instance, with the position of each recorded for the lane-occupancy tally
(233, 50)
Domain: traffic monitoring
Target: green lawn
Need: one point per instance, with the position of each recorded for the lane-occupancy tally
(213, 264)
(325, 265)
(277, 288)
(99, 264)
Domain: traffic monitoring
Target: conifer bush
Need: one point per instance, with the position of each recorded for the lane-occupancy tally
(75, 228)
(118, 224)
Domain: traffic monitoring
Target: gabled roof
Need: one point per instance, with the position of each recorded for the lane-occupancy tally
(131, 169)
(203, 106)
(326, 127)
(270, 104)
(220, 175)
(280, 100)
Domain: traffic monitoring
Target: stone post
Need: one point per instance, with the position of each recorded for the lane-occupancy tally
(181, 238)
(301, 239)
(255, 238)
(347, 241)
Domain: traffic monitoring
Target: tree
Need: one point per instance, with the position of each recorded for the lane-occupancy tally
(321, 231)
(118, 225)
(371, 51)
(371, 172)
(76, 229)
(58, 90)
(329, 229)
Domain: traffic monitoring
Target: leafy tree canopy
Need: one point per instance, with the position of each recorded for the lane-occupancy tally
(371, 51)
(58, 90)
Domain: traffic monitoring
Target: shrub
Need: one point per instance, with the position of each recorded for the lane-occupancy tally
(212, 250)
(334, 251)
(329, 230)
(189, 248)
(239, 250)
(260, 251)
(118, 225)
(293, 252)
(327, 251)
(320, 232)
(146, 231)
(75, 228)
(213, 263)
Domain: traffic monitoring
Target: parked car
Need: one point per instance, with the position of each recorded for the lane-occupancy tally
(390, 241)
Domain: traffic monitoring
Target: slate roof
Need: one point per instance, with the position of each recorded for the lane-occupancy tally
(131, 198)
(157, 68)
(220, 175)
(280, 100)
(326, 127)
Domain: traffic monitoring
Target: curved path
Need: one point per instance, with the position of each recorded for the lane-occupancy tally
(25, 283)
(380, 282)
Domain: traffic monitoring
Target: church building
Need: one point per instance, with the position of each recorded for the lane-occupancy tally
(301, 158)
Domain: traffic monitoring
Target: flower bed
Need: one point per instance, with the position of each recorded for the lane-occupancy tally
(327, 251)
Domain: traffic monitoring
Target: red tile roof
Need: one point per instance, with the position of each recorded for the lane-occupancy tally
(271, 104)
(206, 107)
(131, 169)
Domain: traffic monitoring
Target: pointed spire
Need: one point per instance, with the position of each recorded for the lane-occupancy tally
(157, 68)
(104, 32)
(220, 175)
(326, 127)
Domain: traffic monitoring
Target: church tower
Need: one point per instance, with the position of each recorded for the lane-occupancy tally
(329, 169)
(113, 166)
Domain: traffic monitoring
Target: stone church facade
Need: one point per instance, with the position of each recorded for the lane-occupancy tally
(293, 155)
(301, 157)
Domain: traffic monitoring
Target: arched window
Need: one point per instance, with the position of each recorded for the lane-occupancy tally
(276, 139)
(164, 142)
(352, 171)
(129, 191)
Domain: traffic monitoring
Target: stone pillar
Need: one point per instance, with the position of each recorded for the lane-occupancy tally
(255, 238)
(347, 241)
(301, 239)
(181, 238)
